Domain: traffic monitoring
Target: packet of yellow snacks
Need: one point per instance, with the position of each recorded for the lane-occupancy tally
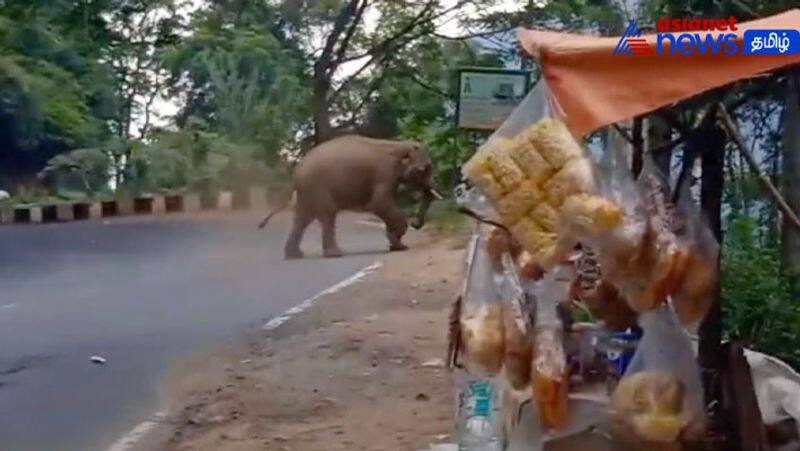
(540, 182)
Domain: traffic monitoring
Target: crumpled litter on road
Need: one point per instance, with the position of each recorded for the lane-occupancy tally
(98, 360)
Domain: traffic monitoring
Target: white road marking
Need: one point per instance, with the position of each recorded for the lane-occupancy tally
(137, 433)
(7, 306)
(379, 225)
(285, 316)
(140, 431)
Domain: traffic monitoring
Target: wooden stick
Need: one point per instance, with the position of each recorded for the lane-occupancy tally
(624, 133)
(479, 218)
(668, 145)
(436, 194)
(747, 416)
(788, 214)
(637, 141)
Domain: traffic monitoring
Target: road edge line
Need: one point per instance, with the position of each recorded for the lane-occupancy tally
(140, 431)
(137, 433)
(368, 223)
(275, 322)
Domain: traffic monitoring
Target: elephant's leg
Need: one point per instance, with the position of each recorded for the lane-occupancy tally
(384, 206)
(396, 226)
(301, 221)
(329, 247)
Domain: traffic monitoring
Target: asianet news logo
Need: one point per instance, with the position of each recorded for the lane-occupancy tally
(706, 36)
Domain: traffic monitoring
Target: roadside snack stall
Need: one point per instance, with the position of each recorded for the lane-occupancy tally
(585, 282)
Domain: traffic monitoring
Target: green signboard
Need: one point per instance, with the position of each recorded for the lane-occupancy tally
(487, 96)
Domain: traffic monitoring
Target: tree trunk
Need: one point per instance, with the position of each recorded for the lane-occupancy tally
(711, 140)
(336, 44)
(659, 133)
(790, 236)
(321, 113)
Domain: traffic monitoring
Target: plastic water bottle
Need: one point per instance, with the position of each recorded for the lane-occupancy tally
(477, 402)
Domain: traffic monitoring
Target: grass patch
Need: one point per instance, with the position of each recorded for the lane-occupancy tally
(444, 218)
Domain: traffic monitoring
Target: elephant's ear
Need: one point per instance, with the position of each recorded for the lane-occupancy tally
(401, 151)
(403, 154)
(406, 164)
(414, 160)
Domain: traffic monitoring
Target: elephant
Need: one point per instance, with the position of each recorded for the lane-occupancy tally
(356, 173)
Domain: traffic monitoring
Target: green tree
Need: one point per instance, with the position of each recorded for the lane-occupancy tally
(348, 67)
(54, 90)
(241, 81)
(418, 101)
(759, 307)
(140, 32)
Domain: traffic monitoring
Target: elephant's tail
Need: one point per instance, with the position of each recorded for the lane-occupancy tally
(283, 201)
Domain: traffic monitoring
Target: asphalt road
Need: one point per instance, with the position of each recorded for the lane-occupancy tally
(141, 293)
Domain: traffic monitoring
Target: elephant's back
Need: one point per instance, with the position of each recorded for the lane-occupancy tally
(346, 153)
(344, 167)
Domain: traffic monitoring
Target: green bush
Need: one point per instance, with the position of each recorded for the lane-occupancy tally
(82, 169)
(445, 218)
(758, 304)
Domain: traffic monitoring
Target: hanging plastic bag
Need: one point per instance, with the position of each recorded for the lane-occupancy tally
(658, 250)
(695, 292)
(658, 404)
(669, 252)
(549, 372)
(481, 316)
(537, 178)
(517, 329)
(630, 253)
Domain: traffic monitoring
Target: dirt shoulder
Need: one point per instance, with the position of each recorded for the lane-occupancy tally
(356, 371)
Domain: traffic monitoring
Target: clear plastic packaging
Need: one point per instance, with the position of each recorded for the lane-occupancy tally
(517, 328)
(695, 292)
(550, 374)
(539, 180)
(658, 403)
(657, 251)
(482, 335)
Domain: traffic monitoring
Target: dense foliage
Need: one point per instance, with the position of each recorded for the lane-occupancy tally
(55, 92)
(759, 306)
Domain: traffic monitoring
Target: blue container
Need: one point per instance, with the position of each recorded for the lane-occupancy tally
(618, 349)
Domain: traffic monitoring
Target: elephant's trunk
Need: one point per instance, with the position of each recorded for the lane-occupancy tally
(428, 194)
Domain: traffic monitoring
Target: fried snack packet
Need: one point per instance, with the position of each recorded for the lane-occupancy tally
(518, 349)
(549, 372)
(479, 171)
(531, 178)
(550, 378)
(658, 403)
(482, 335)
(504, 168)
(481, 316)
(518, 203)
(574, 178)
(551, 138)
(530, 161)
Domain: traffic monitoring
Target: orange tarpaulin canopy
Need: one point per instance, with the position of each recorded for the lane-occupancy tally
(593, 87)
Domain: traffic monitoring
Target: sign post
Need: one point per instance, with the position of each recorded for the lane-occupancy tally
(486, 97)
